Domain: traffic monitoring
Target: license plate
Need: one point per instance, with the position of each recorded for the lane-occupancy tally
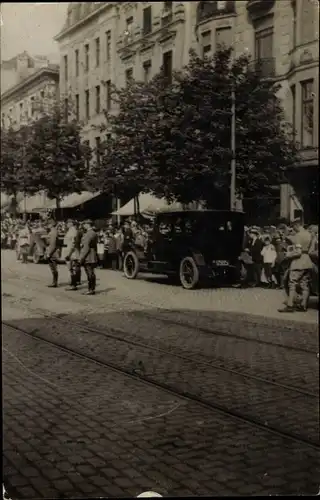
(221, 262)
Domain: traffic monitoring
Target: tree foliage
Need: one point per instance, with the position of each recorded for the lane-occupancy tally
(57, 159)
(175, 140)
(14, 161)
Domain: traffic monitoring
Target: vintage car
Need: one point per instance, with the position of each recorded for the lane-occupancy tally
(192, 246)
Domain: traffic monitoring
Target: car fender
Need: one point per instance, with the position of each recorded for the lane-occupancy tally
(198, 257)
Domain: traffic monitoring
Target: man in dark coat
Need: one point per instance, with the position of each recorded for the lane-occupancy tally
(89, 255)
(53, 252)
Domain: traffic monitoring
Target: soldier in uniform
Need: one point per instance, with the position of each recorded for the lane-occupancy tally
(53, 252)
(89, 256)
(72, 253)
(300, 268)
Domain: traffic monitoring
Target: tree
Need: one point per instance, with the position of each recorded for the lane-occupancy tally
(175, 140)
(57, 159)
(13, 163)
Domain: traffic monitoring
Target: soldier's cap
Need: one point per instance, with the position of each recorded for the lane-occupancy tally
(88, 221)
(254, 230)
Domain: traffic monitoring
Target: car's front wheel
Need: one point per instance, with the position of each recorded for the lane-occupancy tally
(131, 265)
(189, 273)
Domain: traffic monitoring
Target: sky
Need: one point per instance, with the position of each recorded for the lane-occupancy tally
(31, 26)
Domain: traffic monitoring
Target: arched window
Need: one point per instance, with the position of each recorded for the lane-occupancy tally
(307, 21)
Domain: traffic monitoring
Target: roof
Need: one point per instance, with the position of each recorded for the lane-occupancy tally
(52, 71)
(78, 13)
(73, 200)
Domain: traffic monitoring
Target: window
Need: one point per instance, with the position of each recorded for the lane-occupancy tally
(77, 107)
(146, 71)
(108, 45)
(147, 20)
(129, 75)
(293, 100)
(108, 96)
(129, 24)
(223, 37)
(167, 66)
(21, 110)
(87, 154)
(264, 39)
(32, 109)
(66, 108)
(167, 13)
(76, 57)
(307, 114)
(98, 150)
(264, 47)
(87, 98)
(206, 43)
(86, 55)
(97, 99)
(65, 66)
(97, 52)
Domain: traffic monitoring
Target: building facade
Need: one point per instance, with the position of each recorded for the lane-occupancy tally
(110, 42)
(30, 97)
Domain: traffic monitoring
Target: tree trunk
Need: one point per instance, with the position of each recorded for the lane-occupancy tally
(58, 206)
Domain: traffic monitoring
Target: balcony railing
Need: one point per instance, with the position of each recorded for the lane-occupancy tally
(166, 17)
(205, 10)
(256, 6)
(266, 67)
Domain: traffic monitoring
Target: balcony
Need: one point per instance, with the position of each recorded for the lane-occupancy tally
(256, 7)
(166, 17)
(265, 67)
(207, 10)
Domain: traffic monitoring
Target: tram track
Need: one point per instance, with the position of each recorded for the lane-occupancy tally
(135, 340)
(212, 331)
(174, 391)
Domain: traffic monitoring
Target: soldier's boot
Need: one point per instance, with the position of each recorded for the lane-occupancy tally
(54, 283)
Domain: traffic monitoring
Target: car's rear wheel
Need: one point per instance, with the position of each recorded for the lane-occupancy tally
(131, 265)
(189, 273)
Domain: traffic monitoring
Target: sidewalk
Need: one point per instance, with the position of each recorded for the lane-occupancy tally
(154, 292)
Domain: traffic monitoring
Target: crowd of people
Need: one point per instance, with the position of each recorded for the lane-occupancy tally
(272, 256)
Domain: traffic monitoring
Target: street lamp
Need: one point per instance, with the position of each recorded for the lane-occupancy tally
(233, 199)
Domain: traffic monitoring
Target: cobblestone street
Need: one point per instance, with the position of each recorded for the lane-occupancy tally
(147, 386)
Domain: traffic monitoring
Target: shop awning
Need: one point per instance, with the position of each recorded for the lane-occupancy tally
(74, 200)
(147, 204)
(33, 203)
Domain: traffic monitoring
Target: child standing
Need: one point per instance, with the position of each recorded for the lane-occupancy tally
(269, 256)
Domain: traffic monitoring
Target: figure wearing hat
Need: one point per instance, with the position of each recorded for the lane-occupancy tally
(53, 252)
(89, 256)
(71, 254)
(299, 275)
(255, 246)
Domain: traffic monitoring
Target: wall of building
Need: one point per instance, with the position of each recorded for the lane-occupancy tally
(27, 100)
(283, 33)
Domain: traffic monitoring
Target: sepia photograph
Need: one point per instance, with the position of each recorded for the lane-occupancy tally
(159, 177)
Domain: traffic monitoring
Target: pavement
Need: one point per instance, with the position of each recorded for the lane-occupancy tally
(75, 429)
